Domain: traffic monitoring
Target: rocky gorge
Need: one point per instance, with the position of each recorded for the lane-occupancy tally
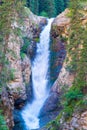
(19, 89)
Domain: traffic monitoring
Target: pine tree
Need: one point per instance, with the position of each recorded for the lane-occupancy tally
(59, 5)
(48, 7)
(33, 5)
(28, 3)
(66, 2)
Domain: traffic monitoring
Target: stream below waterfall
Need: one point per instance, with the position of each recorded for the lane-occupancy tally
(40, 80)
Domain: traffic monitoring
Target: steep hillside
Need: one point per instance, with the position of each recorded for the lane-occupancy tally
(74, 100)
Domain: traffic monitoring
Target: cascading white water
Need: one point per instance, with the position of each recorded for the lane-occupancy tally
(40, 67)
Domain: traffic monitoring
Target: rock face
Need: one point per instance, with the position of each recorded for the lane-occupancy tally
(33, 25)
(57, 57)
(61, 24)
(26, 69)
(50, 109)
(78, 122)
(58, 32)
(16, 86)
(65, 78)
(15, 95)
(7, 105)
(59, 29)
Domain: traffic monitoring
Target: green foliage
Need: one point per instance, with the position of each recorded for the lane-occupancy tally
(47, 8)
(8, 12)
(77, 49)
(59, 4)
(12, 76)
(22, 55)
(26, 44)
(34, 5)
(71, 97)
(55, 125)
(36, 39)
(71, 68)
(2, 122)
(66, 2)
(64, 39)
(17, 32)
(43, 13)
(24, 48)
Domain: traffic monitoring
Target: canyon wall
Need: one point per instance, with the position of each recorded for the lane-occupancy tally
(65, 77)
(15, 95)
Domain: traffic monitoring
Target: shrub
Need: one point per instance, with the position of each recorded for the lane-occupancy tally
(43, 13)
(22, 55)
(26, 44)
(2, 122)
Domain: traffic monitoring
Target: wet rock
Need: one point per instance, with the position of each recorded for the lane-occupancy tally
(17, 116)
(59, 33)
(26, 69)
(19, 103)
(32, 49)
(43, 22)
(50, 109)
(29, 91)
(18, 120)
(57, 57)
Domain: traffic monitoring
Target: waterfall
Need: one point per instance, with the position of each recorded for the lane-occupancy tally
(39, 68)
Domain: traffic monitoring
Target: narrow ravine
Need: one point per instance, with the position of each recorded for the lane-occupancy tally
(40, 80)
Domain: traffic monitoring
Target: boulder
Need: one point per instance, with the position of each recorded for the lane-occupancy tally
(19, 103)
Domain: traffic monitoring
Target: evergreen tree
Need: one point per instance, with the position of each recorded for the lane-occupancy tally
(34, 6)
(66, 3)
(48, 7)
(59, 5)
(28, 3)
